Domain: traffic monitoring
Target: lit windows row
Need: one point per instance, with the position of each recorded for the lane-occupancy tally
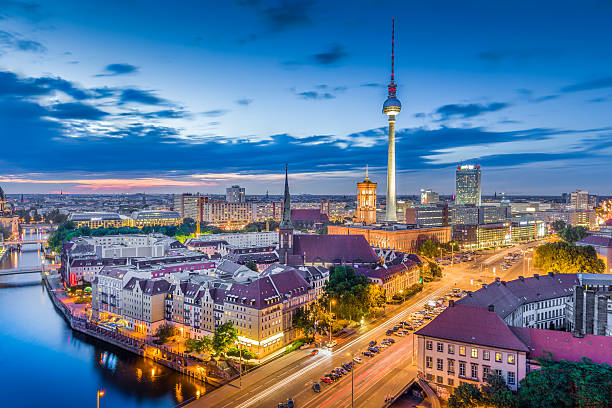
(473, 352)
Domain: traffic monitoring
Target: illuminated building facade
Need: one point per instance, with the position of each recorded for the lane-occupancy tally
(475, 236)
(366, 201)
(580, 200)
(95, 220)
(399, 237)
(429, 197)
(145, 218)
(235, 194)
(427, 215)
(468, 185)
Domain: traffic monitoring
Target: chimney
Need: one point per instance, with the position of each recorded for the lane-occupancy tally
(491, 308)
(551, 274)
(451, 303)
(535, 275)
(522, 278)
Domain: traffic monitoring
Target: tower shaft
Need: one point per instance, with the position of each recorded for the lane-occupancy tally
(391, 209)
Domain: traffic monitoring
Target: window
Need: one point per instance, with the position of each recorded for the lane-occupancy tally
(511, 378)
(428, 362)
(474, 353)
(462, 351)
(486, 355)
(440, 364)
(486, 371)
(440, 347)
(428, 345)
(461, 369)
(439, 379)
(498, 357)
(451, 349)
(474, 370)
(451, 382)
(510, 358)
(451, 366)
(498, 372)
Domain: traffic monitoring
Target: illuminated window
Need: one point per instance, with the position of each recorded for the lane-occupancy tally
(474, 353)
(428, 362)
(510, 358)
(462, 351)
(486, 355)
(498, 357)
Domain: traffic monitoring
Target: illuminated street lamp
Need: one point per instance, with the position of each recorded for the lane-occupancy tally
(99, 394)
(352, 375)
(331, 302)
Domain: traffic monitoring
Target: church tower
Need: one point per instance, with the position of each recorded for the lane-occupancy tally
(366, 201)
(285, 228)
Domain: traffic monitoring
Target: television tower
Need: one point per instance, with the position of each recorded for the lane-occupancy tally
(391, 108)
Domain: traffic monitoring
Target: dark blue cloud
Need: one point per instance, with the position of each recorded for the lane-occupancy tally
(139, 96)
(332, 56)
(160, 114)
(599, 83)
(12, 42)
(215, 113)
(76, 111)
(545, 98)
(523, 55)
(281, 14)
(468, 111)
(118, 69)
(244, 102)
(11, 84)
(315, 95)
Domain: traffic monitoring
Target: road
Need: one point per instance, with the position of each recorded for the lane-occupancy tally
(292, 376)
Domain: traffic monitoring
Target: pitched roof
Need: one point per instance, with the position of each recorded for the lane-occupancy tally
(507, 296)
(334, 249)
(472, 324)
(308, 215)
(564, 346)
(596, 240)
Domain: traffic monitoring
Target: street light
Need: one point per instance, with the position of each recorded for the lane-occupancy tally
(331, 302)
(99, 394)
(352, 375)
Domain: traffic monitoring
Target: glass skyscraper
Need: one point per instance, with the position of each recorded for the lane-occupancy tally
(468, 189)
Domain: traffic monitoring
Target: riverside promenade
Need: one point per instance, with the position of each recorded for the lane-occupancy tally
(76, 316)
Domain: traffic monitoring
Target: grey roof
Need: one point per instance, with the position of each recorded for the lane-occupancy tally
(153, 214)
(149, 286)
(89, 216)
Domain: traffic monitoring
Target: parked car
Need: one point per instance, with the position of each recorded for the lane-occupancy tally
(326, 380)
(357, 360)
(332, 343)
(390, 340)
(368, 354)
(347, 367)
(372, 343)
(290, 403)
(314, 352)
(316, 387)
(374, 349)
(281, 405)
(389, 332)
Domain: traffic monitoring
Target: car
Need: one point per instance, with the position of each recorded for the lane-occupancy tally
(347, 367)
(333, 376)
(357, 360)
(314, 352)
(326, 380)
(406, 332)
(343, 371)
(374, 350)
(332, 344)
(396, 328)
(281, 405)
(372, 343)
(316, 387)
(290, 403)
(389, 332)
(368, 354)
(400, 334)
(390, 340)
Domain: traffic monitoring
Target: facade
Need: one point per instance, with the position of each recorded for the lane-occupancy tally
(311, 219)
(399, 237)
(143, 304)
(366, 201)
(145, 218)
(95, 220)
(580, 200)
(427, 215)
(463, 214)
(468, 185)
(591, 312)
(490, 214)
(429, 197)
(235, 194)
(477, 236)
(240, 240)
(226, 213)
(187, 205)
(393, 279)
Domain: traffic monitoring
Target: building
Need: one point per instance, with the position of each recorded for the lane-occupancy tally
(391, 108)
(526, 229)
(95, 220)
(187, 205)
(463, 214)
(490, 214)
(240, 239)
(427, 215)
(145, 218)
(592, 305)
(468, 185)
(366, 201)
(580, 200)
(8, 222)
(393, 279)
(143, 304)
(311, 219)
(235, 194)
(399, 237)
(601, 241)
(224, 213)
(477, 236)
(429, 197)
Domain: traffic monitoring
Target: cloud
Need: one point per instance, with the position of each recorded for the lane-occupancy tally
(215, 113)
(244, 102)
(11, 84)
(139, 96)
(160, 114)
(598, 100)
(331, 56)
(524, 55)
(315, 95)
(545, 98)
(599, 83)
(14, 42)
(118, 69)
(76, 111)
(468, 111)
(372, 85)
(282, 14)
(27, 10)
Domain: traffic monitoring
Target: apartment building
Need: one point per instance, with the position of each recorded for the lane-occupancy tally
(393, 279)
(143, 304)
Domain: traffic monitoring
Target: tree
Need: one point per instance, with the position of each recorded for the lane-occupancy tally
(465, 396)
(429, 249)
(164, 332)
(566, 258)
(224, 337)
(246, 354)
(351, 293)
(199, 346)
(251, 265)
(303, 320)
(558, 225)
(496, 393)
(572, 234)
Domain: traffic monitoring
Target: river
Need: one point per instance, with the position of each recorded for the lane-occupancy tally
(45, 363)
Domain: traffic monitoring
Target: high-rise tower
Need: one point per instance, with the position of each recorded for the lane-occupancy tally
(391, 108)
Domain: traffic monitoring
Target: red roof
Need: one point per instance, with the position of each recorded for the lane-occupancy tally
(474, 325)
(308, 215)
(334, 249)
(596, 240)
(564, 346)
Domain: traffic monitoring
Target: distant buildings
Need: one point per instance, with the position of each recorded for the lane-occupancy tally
(429, 197)
(145, 218)
(235, 194)
(240, 239)
(138, 219)
(427, 215)
(399, 237)
(7, 220)
(468, 185)
(580, 200)
(366, 201)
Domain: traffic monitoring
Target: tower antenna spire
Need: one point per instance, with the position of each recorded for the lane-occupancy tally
(367, 171)
(393, 50)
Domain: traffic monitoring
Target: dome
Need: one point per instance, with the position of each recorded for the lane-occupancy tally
(392, 104)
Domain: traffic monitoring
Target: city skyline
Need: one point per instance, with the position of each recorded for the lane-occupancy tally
(120, 103)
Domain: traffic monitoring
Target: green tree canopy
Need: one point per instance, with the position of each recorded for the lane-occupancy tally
(352, 293)
(225, 336)
(429, 248)
(572, 234)
(566, 258)
(558, 225)
(465, 396)
(496, 393)
(251, 265)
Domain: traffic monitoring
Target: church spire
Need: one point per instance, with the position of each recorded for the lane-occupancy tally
(286, 220)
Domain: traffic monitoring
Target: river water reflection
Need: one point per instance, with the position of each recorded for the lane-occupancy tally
(45, 363)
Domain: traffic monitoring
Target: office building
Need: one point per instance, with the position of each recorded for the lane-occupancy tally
(393, 279)
(240, 240)
(235, 194)
(366, 201)
(145, 218)
(580, 200)
(429, 197)
(427, 215)
(95, 220)
(478, 236)
(463, 214)
(468, 185)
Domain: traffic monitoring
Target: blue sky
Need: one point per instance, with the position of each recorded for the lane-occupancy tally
(194, 96)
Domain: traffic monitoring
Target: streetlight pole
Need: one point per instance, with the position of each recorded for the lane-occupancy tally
(99, 393)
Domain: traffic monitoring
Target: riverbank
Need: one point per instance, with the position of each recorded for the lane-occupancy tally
(75, 315)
